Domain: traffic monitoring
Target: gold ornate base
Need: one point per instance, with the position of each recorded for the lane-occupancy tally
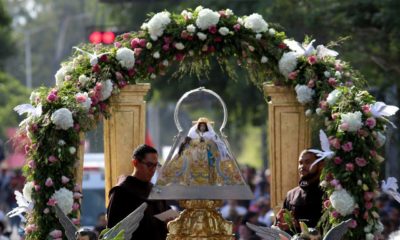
(200, 221)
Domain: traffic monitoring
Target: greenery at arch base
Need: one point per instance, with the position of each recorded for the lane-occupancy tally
(329, 88)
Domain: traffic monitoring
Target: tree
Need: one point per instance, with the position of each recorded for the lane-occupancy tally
(6, 41)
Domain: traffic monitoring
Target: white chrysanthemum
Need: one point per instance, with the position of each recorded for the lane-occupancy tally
(264, 59)
(333, 96)
(304, 93)
(65, 199)
(179, 46)
(256, 23)
(288, 63)
(83, 79)
(62, 118)
(106, 90)
(72, 150)
(158, 23)
(342, 202)
(191, 28)
(60, 76)
(87, 103)
(207, 18)
(27, 191)
(228, 12)
(201, 36)
(126, 57)
(380, 139)
(156, 55)
(187, 14)
(352, 120)
(223, 31)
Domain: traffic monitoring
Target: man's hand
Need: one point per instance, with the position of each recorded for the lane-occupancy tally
(280, 220)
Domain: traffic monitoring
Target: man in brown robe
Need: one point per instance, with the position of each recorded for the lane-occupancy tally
(132, 191)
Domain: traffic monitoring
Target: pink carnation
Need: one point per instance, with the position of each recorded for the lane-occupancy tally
(52, 159)
(335, 142)
(56, 233)
(337, 160)
(52, 97)
(353, 224)
(135, 43)
(236, 27)
(370, 122)
(311, 83)
(75, 206)
(327, 203)
(366, 109)
(64, 179)
(52, 202)
(37, 187)
(344, 126)
(49, 182)
(312, 59)
(77, 195)
(142, 42)
(347, 147)
(335, 214)
(30, 228)
(361, 162)
(117, 44)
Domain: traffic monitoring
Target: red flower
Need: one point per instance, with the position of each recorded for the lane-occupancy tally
(96, 68)
(131, 72)
(179, 57)
(332, 82)
(312, 59)
(293, 75)
(282, 45)
(142, 42)
(218, 39)
(167, 40)
(103, 58)
(213, 29)
(165, 47)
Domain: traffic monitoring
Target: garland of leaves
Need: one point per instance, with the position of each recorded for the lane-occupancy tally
(329, 87)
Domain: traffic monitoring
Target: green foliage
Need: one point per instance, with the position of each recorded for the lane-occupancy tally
(6, 41)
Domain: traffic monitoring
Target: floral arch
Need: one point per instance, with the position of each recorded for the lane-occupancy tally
(329, 88)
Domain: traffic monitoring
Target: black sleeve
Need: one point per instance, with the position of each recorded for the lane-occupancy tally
(119, 207)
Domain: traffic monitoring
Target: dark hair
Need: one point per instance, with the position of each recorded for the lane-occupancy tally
(86, 232)
(2, 227)
(140, 152)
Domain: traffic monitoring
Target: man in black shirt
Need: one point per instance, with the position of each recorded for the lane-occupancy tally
(305, 200)
(132, 191)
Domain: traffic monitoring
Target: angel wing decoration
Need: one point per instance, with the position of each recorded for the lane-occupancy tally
(23, 206)
(94, 58)
(326, 150)
(28, 108)
(69, 227)
(381, 110)
(298, 48)
(390, 187)
(337, 232)
(128, 224)
(323, 51)
(268, 233)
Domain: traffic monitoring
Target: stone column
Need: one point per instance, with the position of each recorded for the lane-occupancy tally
(123, 132)
(288, 135)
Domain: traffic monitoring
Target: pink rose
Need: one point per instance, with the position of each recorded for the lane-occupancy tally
(335, 214)
(366, 108)
(119, 76)
(368, 196)
(353, 224)
(373, 153)
(77, 195)
(165, 47)
(327, 203)
(184, 34)
(370, 122)
(52, 202)
(332, 82)
(361, 162)
(236, 27)
(56, 233)
(311, 83)
(344, 126)
(312, 59)
(126, 36)
(80, 98)
(64, 179)
(37, 187)
(292, 75)
(49, 182)
(334, 142)
(77, 188)
(75, 206)
(30, 228)
(138, 51)
(338, 67)
(337, 160)
(335, 116)
(32, 164)
(117, 44)
(52, 159)
(213, 29)
(347, 147)
(142, 42)
(52, 97)
(349, 167)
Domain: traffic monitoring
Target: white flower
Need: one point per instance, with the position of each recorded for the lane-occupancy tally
(198, 8)
(156, 55)
(126, 57)
(84, 100)
(240, 21)
(62, 118)
(106, 90)
(288, 63)
(201, 36)
(308, 112)
(304, 93)
(94, 61)
(165, 63)
(380, 139)
(271, 32)
(60, 75)
(264, 59)
(191, 28)
(61, 142)
(27, 191)
(153, 76)
(369, 236)
(228, 12)
(157, 24)
(256, 23)
(318, 111)
(65, 199)
(327, 74)
(72, 150)
(352, 120)
(207, 18)
(179, 46)
(83, 79)
(379, 227)
(186, 14)
(149, 45)
(333, 96)
(143, 26)
(342, 202)
(223, 31)
(338, 74)
(34, 96)
(258, 36)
